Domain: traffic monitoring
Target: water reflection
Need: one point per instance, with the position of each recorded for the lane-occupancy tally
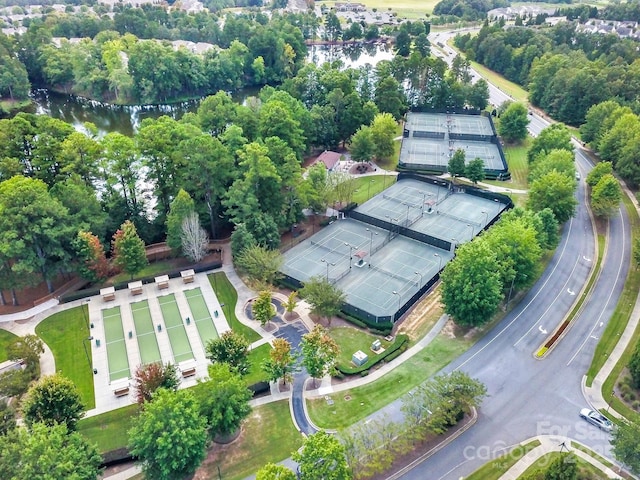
(126, 119)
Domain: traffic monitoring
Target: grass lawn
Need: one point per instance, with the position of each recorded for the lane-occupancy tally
(151, 270)
(593, 454)
(109, 430)
(227, 294)
(413, 9)
(64, 333)
(256, 357)
(6, 338)
(372, 397)
(268, 435)
(516, 156)
(367, 187)
(518, 93)
(584, 467)
(494, 469)
(350, 340)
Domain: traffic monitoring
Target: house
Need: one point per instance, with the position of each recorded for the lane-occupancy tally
(330, 159)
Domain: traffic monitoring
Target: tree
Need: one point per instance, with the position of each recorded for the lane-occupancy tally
(597, 172)
(383, 130)
(27, 349)
(322, 457)
(565, 467)
(291, 303)
(7, 418)
(325, 299)
(559, 160)
(549, 229)
(474, 170)
(54, 399)
(626, 445)
(181, 207)
(151, 377)
(262, 308)
(231, 348)
(471, 284)
(272, 471)
(260, 264)
(606, 196)
(513, 123)
(634, 366)
(92, 261)
(48, 451)
(281, 362)
(319, 352)
(128, 249)
(554, 191)
(169, 435)
(456, 167)
(224, 400)
(361, 146)
(241, 239)
(555, 137)
(194, 239)
(403, 43)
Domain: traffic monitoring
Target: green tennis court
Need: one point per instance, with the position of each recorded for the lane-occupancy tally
(175, 328)
(201, 315)
(147, 342)
(115, 343)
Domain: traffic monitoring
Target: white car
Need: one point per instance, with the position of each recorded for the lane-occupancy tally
(597, 419)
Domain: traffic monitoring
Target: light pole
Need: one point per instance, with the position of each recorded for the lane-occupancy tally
(369, 189)
(399, 298)
(85, 312)
(420, 284)
(328, 263)
(350, 253)
(486, 217)
(371, 233)
(454, 243)
(86, 352)
(439, 260)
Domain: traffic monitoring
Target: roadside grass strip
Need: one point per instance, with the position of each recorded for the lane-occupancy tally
(175, 329)
(201, 315)
(494, 469)
(115, 344)
(145, 335)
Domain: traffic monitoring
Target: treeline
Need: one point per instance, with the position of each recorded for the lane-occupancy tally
(565, 71)
(14, 81)
(469, 10)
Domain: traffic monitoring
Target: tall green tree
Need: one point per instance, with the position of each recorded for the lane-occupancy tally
(456, 165)
(322, 457)
(362, 147)
(471, 284)
(92, 261)
(606, 196)
(564, 467)
(128, 249)
(325, 299)
(281, 362)
(224, 400)
(169, 436)
(513, 123)
(383, 131)
(559, 160)
(181, 207)
(7, 418)
(231, 348)
(555, 137)
(53, 400)
(597, 172)
(319, 352)
(556, 192)
(474, 170)
(272, 471)
(48, 451)
(260, 264)
(262, 308)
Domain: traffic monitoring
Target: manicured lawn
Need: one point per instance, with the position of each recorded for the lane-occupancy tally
(494, 469)
(585, 469)
(351, 339)
(367, 187)
(413, 9)
(64, 332)
(256, 357)
(227, 294)
(151, 270)
(268, 435)
(6, 338)
(518, 93)
(516, 156)
(109, 430)
(372, 397)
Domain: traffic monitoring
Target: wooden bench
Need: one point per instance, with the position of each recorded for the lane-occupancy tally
(108, 294)
(121, 392)
(162, 281)
(189, 372)
(135, 287)
(187, 276)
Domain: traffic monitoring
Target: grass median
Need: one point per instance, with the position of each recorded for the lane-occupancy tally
(65, 332)
(228, 296)
(494, 469)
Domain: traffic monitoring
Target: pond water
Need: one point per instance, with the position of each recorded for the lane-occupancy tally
(126, 119)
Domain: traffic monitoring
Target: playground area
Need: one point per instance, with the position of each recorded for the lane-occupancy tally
(169, 324)
(430, 140)
(393, 246)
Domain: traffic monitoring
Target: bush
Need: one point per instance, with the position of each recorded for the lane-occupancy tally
(259, 388)
(364, 373)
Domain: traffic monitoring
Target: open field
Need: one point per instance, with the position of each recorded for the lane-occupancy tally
(64, 333)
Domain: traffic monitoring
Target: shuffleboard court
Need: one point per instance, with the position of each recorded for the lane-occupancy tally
(115, 343)
(201, 315)
(175, 328)
(147, 341)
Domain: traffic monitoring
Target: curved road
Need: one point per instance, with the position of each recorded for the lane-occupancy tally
(529, 397)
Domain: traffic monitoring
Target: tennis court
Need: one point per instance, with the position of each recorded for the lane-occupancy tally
(201, 315)
(145, 333)
(455, 123)
(115, 343)
(175, 328)
(434, 152)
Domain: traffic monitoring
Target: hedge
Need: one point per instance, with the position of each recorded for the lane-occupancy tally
(395, 348)
(382, 328)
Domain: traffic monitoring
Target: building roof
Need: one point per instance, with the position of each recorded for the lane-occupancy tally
(330, 159)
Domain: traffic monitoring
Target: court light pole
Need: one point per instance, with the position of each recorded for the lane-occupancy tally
(371, 233)
(328, 263)
(486, 217)
(439, 260)
(418, 273)
(369, 189)
(350, 253)
(399, 298)
(85, 312)
(86, 352)
(471, 227)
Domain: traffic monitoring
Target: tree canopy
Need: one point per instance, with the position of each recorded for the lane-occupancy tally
(53, 400)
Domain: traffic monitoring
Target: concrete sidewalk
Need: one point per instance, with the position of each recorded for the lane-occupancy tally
(549, 444)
